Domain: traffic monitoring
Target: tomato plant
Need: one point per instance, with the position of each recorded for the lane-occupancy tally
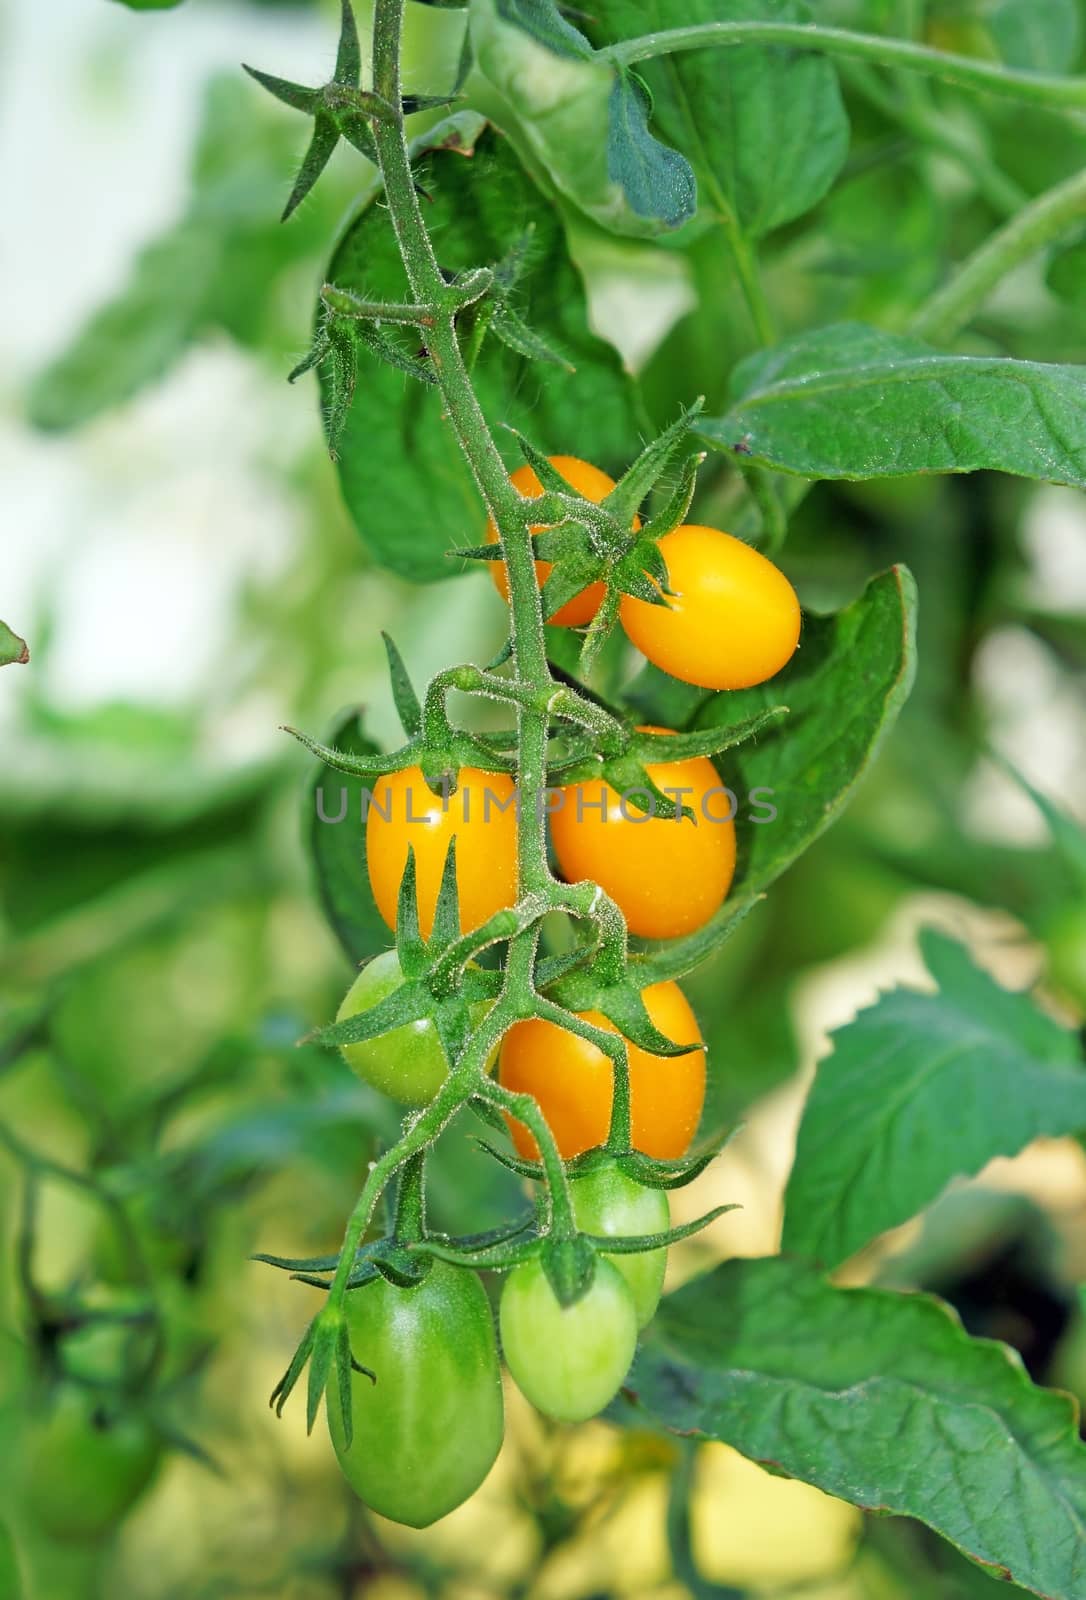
(603, 289)
(428, 1424)
(667, 875)
(568, 1360)
(571, 1079)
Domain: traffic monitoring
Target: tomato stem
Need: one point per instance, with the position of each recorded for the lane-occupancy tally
(966, 72)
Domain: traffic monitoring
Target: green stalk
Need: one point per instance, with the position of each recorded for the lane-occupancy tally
(988, 77)
(1037, 224)
(533, 686)
(474, 437)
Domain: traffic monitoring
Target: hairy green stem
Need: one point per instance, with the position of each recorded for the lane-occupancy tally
(474, 437)
(462, 1083)
(1043, 220)
(965, 72)
(525, 1108)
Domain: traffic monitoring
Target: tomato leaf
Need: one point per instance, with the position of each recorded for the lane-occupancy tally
(1035, 35)
(920, 1089)
(848, 401)
(337, 841)
(843, 688)
(765, 129)
(657, 181)
(403, 477)
(543, 20)
(881, 1399)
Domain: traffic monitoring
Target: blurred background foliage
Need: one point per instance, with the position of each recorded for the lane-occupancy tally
(178, 559)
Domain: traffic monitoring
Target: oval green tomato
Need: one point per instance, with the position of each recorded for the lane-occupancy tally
(426, 1433)
(86, 1464)
(606, 1202)
(409, 1064)
(569, 1361)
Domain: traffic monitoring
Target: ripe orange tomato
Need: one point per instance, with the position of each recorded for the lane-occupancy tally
(588, 481)
(574, 1082)
(668, 876)
(734, 620)
(404, 813)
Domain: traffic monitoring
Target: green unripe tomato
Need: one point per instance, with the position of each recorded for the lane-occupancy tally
(1066, 941)
(86, 1464)
(409, 1064)
(569, 1361)
(427, 1432)
(606, 1202)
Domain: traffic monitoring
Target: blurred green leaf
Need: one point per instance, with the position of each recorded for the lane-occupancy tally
(403, 477)
(1066, 275)
(218, 268)
(337, 840)
(851, 402)
(765, 129)
(1036, 35)
(844, 688)
(880, 1399)
(920, 1089)
(11, 1583)
(12, 648)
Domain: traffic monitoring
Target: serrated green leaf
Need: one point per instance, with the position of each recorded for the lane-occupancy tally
(851, 402)
(765, 128)
(920, 1089)
(878, 1398)
(399, 465)
(339, 848)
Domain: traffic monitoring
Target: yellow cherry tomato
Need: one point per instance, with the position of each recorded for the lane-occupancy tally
(668, 876)
(404, 814)
(574, 1082)
(734, 618)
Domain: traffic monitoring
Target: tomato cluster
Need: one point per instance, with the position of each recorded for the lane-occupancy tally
(730, 620)
(426, 1433)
